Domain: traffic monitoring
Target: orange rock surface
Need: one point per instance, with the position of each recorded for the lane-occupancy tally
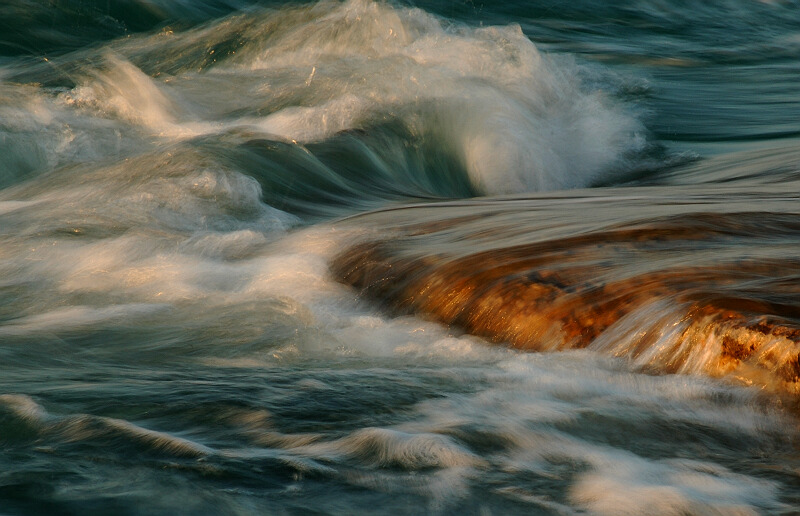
(543, 297)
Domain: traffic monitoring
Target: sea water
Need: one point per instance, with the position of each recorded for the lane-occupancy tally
(424, 257)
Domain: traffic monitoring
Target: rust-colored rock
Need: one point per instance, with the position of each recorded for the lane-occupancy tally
(556, 296)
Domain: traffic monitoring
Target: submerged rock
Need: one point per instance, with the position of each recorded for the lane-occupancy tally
(598, 291)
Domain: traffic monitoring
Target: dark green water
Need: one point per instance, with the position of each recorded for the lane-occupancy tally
(176, 177)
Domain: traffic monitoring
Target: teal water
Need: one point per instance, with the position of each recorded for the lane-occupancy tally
(177, 176)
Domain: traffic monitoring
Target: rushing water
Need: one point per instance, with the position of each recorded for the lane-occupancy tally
(272, 258)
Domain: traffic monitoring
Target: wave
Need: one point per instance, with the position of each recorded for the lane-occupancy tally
(391, 99)
(22, 419)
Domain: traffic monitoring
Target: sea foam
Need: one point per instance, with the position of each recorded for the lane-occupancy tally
(514, 118)
(519, 119)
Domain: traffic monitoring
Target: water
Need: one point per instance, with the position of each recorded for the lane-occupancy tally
(418, 257)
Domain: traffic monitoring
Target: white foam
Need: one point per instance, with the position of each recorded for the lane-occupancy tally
(527, 409)
(122, 91)
(9, 206)
(38, 133)
(520, 120)
(23, 407)
(73, 318)
(520, 402)
(92, 428)
(387, 448)
(84, 427)
(314, 122)
(622, 483)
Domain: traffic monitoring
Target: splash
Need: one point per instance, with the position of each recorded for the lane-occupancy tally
(482, 102)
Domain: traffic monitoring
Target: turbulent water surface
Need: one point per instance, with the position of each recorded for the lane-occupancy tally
(413, 257)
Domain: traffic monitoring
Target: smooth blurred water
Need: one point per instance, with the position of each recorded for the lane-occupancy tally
(177, 179)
